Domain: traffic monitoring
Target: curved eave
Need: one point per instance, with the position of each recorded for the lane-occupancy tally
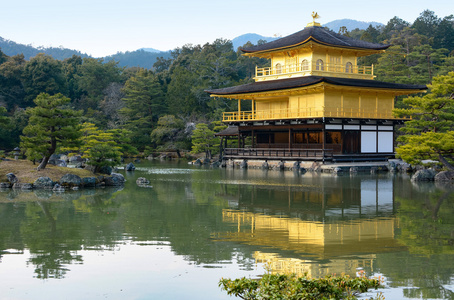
(308, 40)
(252, 91)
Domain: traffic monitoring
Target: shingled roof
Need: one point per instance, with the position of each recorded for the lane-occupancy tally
(319, 35)
(290, 83)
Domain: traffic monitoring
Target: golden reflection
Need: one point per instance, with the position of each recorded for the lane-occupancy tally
(285, 265)
(346, 244)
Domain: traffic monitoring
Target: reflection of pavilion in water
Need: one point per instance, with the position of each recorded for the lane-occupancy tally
(335, 232)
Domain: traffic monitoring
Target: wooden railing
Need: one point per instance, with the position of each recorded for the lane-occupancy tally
(280, 114)
(313, 68)
(277, 153)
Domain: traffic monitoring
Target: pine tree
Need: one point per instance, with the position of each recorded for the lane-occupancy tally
(430, 132)
(50, 125)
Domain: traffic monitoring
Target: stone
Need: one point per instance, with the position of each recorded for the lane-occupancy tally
(5, 185)
(424, 175)
(303, 170)
(445, 176)
(142, 181)
(296, 166)
(61, 163)
(115, 179)
(43, 183)
(206, 161)
(353, 170)
(337, 171)
(281, 166)
(58, 188)
(137, 160)
(265, 165)
(215, 164)
(197, 162)
(75, 158)
(12, 178)
(23, 186)
(373, 170)
(89, 181)
(243, 164)
(108, 170)
(70, 180)
(130, 167)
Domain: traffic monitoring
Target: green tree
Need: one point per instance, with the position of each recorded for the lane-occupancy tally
(203, 140)
(92, 78)
(290, 287)
(11, 88)
(430, 132)
(43, 74)
(50, 125)
(3, 119)
(122, 139)
(144, 103)
(170, 135)
(98, 147)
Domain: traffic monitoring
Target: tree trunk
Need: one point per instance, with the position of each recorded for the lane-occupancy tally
(43, 163)
(445, 162)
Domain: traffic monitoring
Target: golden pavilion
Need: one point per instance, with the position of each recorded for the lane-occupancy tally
(314, 102)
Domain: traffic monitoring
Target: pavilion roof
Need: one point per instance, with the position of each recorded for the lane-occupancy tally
(317, 34)
(305, 81)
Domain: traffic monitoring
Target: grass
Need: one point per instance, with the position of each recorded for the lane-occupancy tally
(26, 172)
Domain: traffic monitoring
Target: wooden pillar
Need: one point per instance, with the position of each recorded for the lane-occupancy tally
(290, 142)
(239, 109)
(253, 139)
(324, 138)
(239, 140)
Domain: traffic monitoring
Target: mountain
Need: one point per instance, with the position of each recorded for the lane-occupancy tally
(11, 48)
(139, 58)
(151, 50)
(350, 24)
(239, 41)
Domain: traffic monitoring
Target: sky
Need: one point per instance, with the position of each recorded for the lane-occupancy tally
(105, 27)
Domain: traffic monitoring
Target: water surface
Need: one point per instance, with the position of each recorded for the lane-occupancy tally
(196, 225)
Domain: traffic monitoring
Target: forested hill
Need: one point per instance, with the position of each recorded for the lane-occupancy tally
(12, 48)
(139, 58)
(350, 24)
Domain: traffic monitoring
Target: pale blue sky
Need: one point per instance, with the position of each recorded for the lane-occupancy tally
(104, 27)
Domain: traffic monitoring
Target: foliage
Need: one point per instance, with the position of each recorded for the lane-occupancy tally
(43, 74)
(3, 119)
(50, 125)
(276, 286)
(170, 134)
(430, 132)
(144, 102)
(203, 140)
(98, 147)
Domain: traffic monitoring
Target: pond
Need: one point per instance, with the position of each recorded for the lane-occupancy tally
(197, 225)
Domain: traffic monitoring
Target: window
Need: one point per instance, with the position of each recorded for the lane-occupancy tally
(278, 69)
(314, 137)
(319, 65)
(333, 137)
(349, 68)
(304, 65)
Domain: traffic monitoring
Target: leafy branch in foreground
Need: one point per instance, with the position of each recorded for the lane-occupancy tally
(289, 287)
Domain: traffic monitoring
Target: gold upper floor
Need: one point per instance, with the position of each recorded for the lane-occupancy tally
(314, 60)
